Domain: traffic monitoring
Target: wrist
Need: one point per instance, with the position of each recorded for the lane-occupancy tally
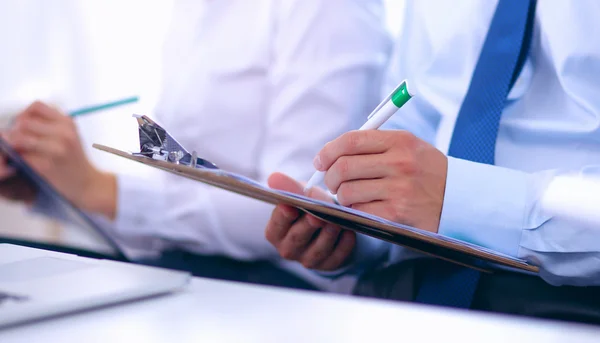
(100, 194)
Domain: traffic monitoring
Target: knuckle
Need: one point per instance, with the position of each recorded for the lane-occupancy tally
(70, 139)
(406, 137)
(270, 235)
(326, 153)
(397, 212)
(353, 139)
(36, 106)
(61, 151)
(343, 167)
(339, 172)
(313, 222)
(22, 124)
(43, 167)
(317, 256)
(348, 244)
(287, 253)
(307, 262)
(344, 194)
(407, 165)
(297, 238)
(71, 124)
(333, 231)
(373, 135)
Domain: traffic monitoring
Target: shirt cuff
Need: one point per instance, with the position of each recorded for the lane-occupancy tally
(136, 198)
(485, 205)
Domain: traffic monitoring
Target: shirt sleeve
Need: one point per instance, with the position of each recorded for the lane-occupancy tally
(328, 58)
(509, 211)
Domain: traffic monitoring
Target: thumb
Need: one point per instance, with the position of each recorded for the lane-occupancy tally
(283, 182)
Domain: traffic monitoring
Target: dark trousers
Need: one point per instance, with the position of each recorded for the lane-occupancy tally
(500, 292)
(224, 268)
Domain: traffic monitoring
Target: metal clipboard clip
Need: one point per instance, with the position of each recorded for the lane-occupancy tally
(158, 144)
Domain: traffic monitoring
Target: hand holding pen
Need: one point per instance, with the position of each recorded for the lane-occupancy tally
(384, 111)
(391, 174)
(49, 142)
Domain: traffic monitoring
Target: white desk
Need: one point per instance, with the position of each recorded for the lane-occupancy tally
(214, 311)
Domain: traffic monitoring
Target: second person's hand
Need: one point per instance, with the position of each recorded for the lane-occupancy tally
(12, 186)
(48, 140)
(304, 238)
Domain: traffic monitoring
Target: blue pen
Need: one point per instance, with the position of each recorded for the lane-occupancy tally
(101, 107)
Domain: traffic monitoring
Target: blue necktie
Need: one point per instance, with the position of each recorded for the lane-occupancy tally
(502, 56)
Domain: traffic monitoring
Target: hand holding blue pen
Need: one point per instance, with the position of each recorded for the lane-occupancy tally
(49, 142)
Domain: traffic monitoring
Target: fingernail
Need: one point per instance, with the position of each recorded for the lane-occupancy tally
(330, 229)
(317, 163)
(313, 221)
(289, 213)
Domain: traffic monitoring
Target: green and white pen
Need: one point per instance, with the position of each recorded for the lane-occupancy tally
(387, 108)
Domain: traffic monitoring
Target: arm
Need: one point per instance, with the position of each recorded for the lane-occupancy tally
(513, 215)
(323, 80)
(417, 117)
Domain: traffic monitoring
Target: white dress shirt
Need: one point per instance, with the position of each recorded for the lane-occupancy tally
(550, 127)
(255, 87)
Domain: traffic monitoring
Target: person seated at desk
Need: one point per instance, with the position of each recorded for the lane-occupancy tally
(243, 83)
(506, 100)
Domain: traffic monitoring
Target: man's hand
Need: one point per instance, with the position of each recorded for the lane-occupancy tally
(6, 172)
(304, 238)
(391, 174)
(49, 142)
(12, 186)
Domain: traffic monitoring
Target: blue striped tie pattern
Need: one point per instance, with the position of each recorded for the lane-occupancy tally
(476, 130)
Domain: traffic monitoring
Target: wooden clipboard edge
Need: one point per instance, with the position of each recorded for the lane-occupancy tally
(241, 188)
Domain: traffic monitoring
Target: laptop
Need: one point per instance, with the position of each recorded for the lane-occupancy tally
(37, 284)
(59, 279)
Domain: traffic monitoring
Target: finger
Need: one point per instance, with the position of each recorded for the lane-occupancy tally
(30, 144)
(321, 247)
(36, 127)
(39, 163)
(348, 168)
(378, 208)
(5, 170)
(285, 183)
(341, 252)
(281, 221)
(298, 238)
(349, 144)
(42, 110)
(364, 191)
(319, 194)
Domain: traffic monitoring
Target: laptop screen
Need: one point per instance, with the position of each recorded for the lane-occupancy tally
(61, 209)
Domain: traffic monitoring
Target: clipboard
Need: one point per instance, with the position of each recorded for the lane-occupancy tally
(456, 251)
